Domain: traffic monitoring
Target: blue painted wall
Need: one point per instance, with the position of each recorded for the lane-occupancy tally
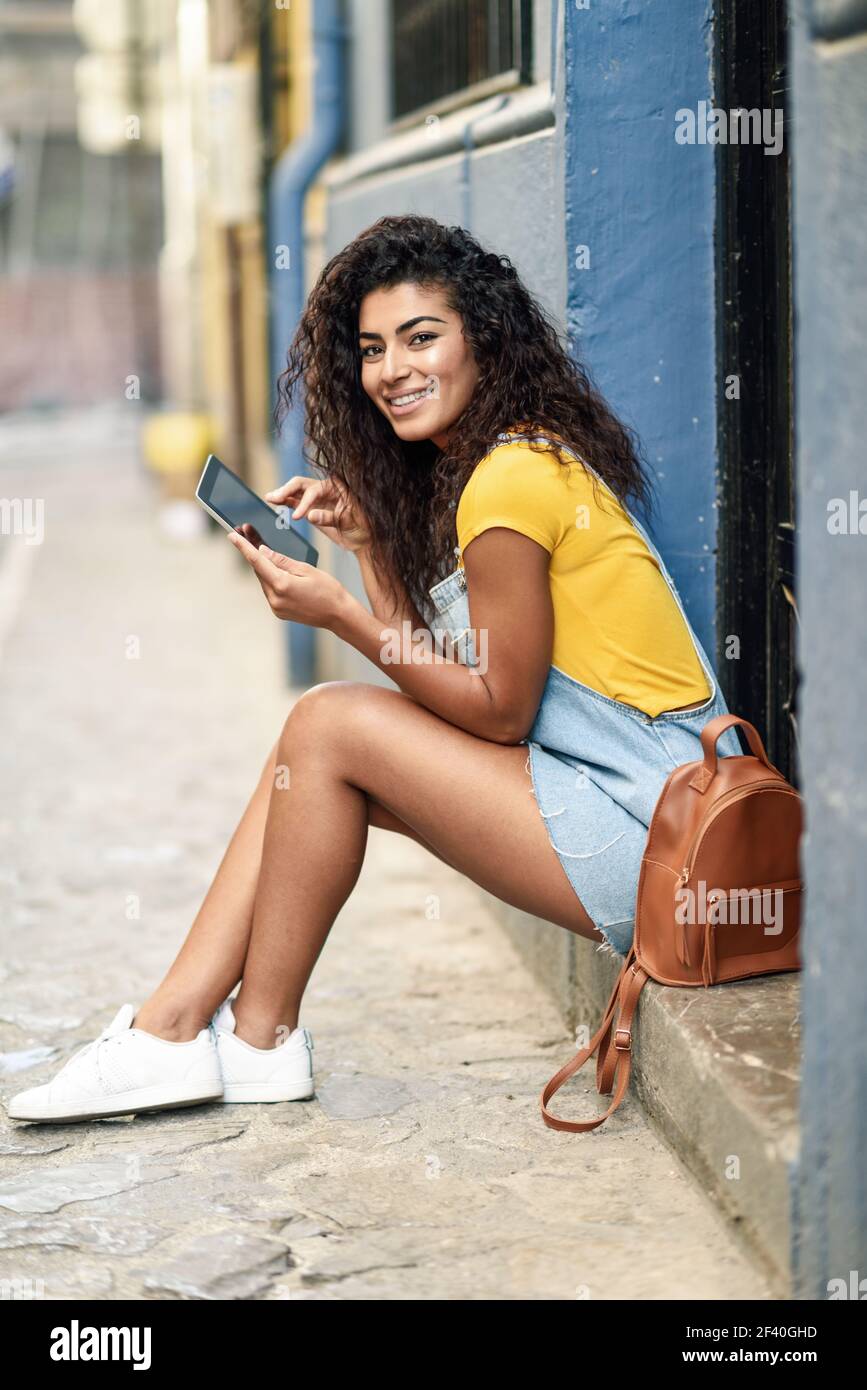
(642, 316)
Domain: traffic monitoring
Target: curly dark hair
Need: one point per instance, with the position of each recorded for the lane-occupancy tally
(527, 383)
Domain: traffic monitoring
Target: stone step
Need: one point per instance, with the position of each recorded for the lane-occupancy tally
(717, 1071)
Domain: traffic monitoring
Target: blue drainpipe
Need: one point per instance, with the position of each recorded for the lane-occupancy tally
(294, 172)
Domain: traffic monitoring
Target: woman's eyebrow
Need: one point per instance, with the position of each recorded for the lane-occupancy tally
(410, 323)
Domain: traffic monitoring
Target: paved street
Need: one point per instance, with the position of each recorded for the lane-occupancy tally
(140, 690)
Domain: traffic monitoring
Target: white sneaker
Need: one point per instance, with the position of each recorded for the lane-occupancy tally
(122, 1072)
(256, 1074)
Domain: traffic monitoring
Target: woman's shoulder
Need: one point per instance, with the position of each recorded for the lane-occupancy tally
(526, 468)
(529, 456)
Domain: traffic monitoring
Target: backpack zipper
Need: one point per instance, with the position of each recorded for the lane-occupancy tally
(708, 962)
(734, 795)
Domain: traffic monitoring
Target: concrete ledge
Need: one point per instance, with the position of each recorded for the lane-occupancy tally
(716, 1070)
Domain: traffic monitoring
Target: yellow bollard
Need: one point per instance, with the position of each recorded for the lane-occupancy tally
(175, 445)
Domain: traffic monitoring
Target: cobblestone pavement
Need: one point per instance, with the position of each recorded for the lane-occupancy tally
(422, 1169)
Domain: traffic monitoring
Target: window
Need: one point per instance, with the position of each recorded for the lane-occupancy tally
(442, 48)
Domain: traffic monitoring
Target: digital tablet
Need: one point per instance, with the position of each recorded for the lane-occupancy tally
(229, 501)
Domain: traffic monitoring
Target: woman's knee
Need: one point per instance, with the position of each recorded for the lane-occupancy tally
(325, 713)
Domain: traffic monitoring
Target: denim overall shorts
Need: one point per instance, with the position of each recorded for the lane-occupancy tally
(597, 765)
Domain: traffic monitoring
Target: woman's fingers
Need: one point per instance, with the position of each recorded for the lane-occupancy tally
(286, 563)
(303, 490)
(257, 559)
(278, 575)
(249, 532)
(270, 565)
(286, 490)
(316, 492)
(322, 517)
(320, 491)
(323, 501)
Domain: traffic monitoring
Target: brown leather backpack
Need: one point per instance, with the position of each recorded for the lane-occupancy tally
(719, 895)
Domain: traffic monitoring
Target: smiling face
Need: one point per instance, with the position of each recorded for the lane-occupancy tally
(416, 365)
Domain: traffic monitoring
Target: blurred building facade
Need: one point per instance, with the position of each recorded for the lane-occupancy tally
(80, 230)
(135, 140)
(213, 283)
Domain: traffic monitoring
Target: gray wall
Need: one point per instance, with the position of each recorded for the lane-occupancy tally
(829, 81)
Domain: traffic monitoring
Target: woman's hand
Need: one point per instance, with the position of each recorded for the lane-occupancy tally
(328, 506)
(294, 590)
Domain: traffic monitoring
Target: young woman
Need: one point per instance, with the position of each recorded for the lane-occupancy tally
(446, 420)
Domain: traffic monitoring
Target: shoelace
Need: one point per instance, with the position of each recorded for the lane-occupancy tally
(95, 1044)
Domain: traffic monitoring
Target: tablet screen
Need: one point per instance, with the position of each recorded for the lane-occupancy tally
(238, 505)
(231, 499)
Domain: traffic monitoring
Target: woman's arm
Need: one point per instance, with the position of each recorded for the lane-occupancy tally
(513, 624)
(333, 511)
(382, 605)
(512, 618)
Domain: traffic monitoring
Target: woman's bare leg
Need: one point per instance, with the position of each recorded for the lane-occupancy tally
(344, 744)
(211, 961)
(215, 954)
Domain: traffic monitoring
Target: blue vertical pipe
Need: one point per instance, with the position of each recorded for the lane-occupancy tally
(293, 173)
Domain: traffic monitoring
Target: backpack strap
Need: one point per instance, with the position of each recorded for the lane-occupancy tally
(612, 1061)
(713, 730)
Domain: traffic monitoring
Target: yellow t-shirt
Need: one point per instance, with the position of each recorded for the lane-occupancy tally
(617, 626)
